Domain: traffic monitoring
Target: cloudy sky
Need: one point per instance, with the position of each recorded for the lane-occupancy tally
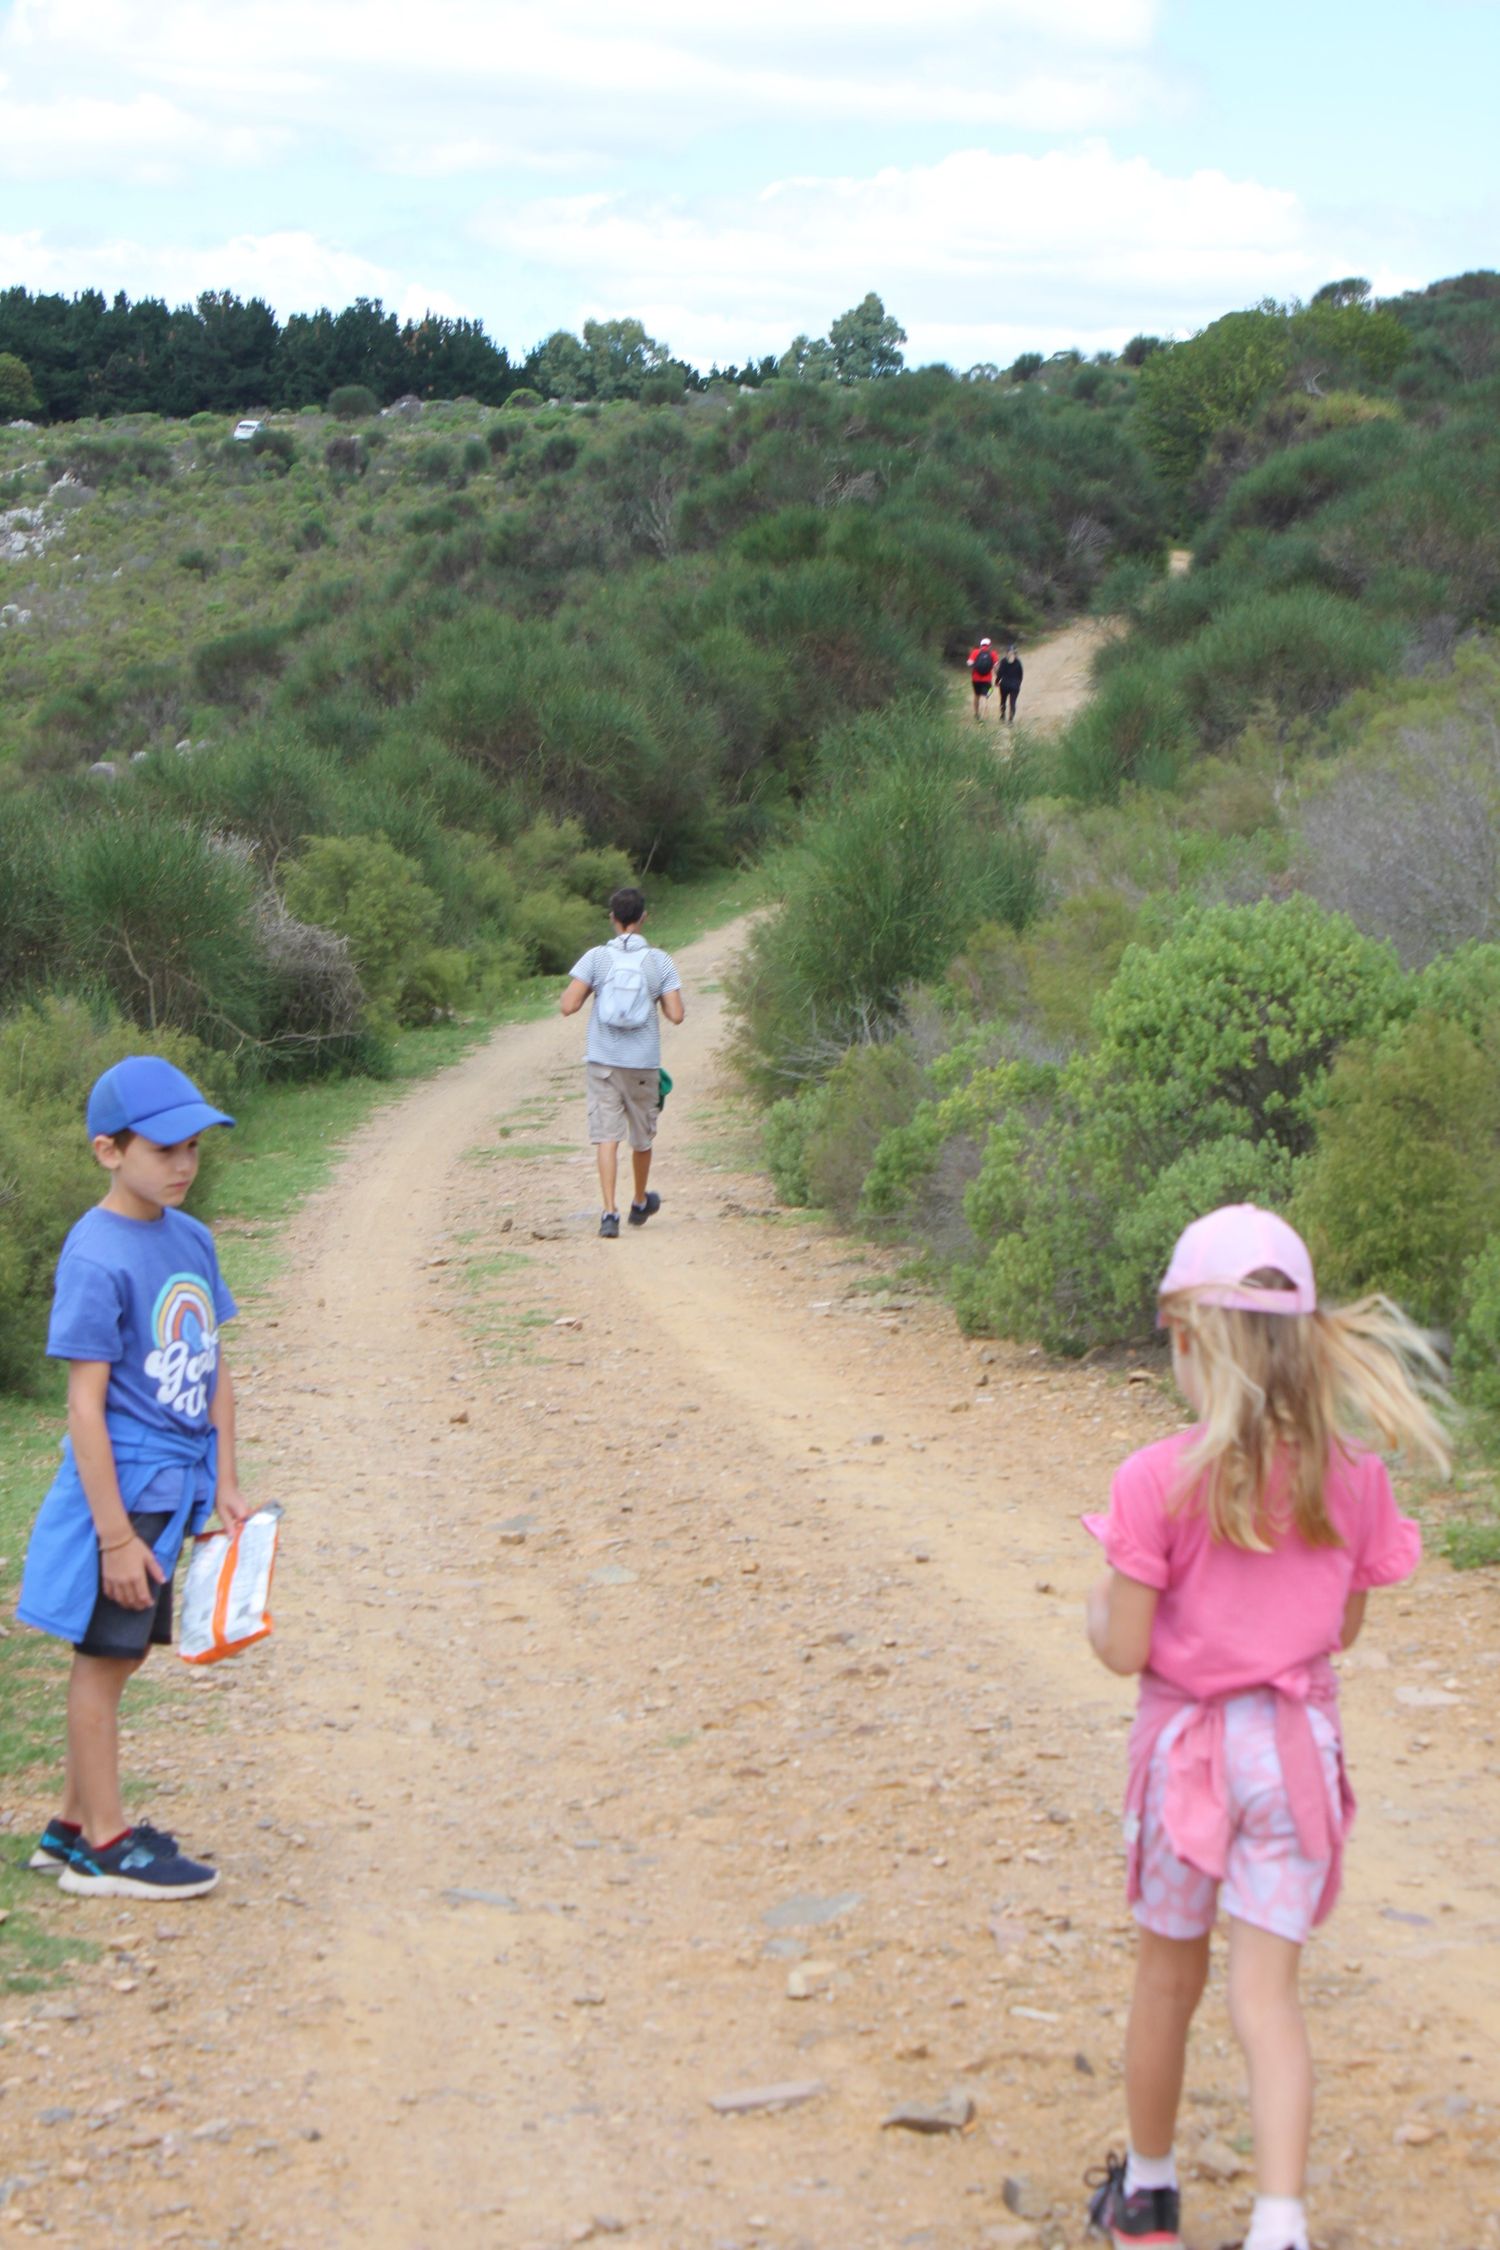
(1008, 174)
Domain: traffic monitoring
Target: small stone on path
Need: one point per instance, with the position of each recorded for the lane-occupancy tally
(786, 2095)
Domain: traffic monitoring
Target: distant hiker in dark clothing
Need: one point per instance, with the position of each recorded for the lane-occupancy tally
(1010, 681)
(981, 674)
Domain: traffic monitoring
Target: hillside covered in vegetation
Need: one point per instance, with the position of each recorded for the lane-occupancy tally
(356, 722)
(353, 723)
(1261, 956)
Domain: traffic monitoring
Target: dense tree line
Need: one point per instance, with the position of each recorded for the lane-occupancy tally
(66, 357)
(91, 355)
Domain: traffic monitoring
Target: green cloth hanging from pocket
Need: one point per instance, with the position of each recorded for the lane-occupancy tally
(664, 1087)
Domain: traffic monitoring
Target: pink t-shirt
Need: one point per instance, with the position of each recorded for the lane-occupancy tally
(1229, 1619)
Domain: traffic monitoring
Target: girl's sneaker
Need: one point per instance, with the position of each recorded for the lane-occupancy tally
(60, 1839)
(140, 1864)
(1150, 2215)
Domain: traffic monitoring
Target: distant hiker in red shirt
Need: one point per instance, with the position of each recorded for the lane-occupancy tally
(981, 674)
(1010, 681)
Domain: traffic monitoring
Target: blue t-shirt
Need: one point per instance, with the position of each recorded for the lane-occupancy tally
(147, 1296)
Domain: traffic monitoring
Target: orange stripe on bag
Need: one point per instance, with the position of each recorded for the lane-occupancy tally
(218, 1643)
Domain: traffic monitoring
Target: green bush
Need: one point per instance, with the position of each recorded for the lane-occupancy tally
(1405, 1176)
(555, 928)
(353, 402)
(1137, 729)
(820, 1146)
(108, 460)
(373, 895)
(225, 668)
(475, 456)
(50, 1056)
(524, 399)
(436, 462)
(1296, 654)
(913, 844)
(1210, 1061)
(163, 915)
(1476, 1342)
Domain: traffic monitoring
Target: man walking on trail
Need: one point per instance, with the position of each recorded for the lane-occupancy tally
(981, 674)
(1010, 681)
(630, 980)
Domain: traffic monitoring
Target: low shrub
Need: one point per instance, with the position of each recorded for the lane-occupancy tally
(367, 891)
(871, 1091)
(1476, 1342)
(1210, 1059)
(913, 843)
(555, 928)
(353, 402)
(225, 668)
(436, 462)
(1405, 1176)
(1137, 729)
(162, 914)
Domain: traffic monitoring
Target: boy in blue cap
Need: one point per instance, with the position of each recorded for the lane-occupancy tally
(148, 1454)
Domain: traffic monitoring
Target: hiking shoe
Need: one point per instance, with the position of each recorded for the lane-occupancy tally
(609, 1226)
(55, 1847)
(1149, 2215)
(135, 1866)
(641, 1212)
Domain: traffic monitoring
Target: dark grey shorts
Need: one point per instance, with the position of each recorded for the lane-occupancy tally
(114, 1630)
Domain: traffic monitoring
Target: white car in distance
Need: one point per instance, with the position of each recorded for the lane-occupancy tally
(249, 428)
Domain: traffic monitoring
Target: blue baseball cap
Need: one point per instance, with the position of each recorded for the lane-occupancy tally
(148, 1095)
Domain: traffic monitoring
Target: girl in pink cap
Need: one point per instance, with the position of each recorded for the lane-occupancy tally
(1241, 1552)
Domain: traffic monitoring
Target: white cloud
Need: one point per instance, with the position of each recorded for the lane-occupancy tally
(292, 270)
(145, 138)
(1022, 244)
(476, 82)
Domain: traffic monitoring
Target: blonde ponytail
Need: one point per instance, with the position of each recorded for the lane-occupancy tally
(1293, 1386)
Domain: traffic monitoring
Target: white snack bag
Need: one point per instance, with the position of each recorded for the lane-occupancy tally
(227, 1587)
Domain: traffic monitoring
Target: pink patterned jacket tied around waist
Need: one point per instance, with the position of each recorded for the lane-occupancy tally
(1196, 1804)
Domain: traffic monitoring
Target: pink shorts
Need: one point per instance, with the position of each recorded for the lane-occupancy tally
(1267, 1881)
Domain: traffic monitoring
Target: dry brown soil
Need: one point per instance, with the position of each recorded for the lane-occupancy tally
(679, 1689)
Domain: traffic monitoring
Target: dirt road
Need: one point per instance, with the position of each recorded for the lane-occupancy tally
(678, 1691)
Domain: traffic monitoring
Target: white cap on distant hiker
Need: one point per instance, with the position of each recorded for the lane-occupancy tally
(985, 642)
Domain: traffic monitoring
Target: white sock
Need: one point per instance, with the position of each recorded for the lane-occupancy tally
(1278, 2222)
(1153, 2172)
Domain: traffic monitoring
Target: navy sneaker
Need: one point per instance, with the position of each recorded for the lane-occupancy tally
(59, 1840)
(136, 1865)
(1149, 2215)
(609, 1226)
(55, 1847)
(641, 1212)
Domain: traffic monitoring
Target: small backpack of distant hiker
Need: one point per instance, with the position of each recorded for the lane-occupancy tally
(984, 664)
(625, 999)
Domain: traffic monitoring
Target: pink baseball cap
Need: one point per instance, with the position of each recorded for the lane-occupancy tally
(1216, 1255)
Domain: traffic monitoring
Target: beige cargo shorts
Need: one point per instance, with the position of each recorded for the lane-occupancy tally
(623, 1104)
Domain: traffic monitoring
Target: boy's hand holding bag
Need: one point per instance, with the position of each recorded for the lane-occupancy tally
(227, 1588)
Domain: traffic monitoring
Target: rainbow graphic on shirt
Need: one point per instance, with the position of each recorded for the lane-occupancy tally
(184, 1311)
(187, 1344)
